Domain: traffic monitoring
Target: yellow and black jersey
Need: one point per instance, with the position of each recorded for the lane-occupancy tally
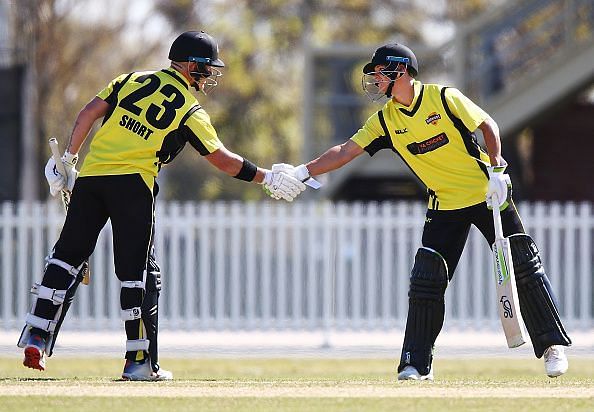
(434, 136)
(151, 117)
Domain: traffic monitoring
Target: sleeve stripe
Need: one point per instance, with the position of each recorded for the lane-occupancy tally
(381, 142)
(191, 137)
(468, 137)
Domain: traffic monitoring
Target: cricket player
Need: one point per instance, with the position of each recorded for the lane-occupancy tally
(148, 117)
(431, 128)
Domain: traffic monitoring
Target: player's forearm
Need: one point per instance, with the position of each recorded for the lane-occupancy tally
(95, 109)
(231, 163)
(492, 141)
(82, 127)
(334, 158)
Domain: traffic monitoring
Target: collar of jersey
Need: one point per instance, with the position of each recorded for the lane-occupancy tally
(414, 106)
(177, 76)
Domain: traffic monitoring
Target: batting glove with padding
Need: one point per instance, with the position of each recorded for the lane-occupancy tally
(499, 184)
(69, 161)
(280, 185)
(299, 172)
(56, 181)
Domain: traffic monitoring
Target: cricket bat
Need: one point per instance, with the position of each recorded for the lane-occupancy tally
(507, 295)
(65, 194)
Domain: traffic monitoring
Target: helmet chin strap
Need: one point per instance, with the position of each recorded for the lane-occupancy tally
(196, 85)
(194, 75)
(389, 90)
(396, 76)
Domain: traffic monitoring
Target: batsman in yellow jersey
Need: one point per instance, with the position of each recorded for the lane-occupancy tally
(148, 117)
(431, 128)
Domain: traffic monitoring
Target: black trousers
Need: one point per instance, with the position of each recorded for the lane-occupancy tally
(124, 199)
(446, 231)
(129, 203)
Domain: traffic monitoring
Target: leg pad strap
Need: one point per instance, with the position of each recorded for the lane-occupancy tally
(73, 270)
(133, 284)
(43, 292)
(131, 314)
(137, 344)
(41, 323)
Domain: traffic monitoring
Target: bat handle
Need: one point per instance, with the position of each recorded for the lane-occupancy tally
(497, 217)
(53, 144)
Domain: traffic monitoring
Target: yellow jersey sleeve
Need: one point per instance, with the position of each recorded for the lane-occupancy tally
(465, 109)
(108, 90)
(372, 137)
(201, 134)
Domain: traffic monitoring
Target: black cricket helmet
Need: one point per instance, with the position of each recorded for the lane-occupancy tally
(396, 59)
(199, 47)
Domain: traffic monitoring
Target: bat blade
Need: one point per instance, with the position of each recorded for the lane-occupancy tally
(507, 298)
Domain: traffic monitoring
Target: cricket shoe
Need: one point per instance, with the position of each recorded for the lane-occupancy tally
(142, 371)
(35, 353)
(555, 361)
(410, 373)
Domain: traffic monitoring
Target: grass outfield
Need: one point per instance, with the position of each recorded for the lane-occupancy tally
(324, 385)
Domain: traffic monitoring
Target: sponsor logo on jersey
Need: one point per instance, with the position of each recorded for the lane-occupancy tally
(401, 131)
(433, 118)
(428, 145)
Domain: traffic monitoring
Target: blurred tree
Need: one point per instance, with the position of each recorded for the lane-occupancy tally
(256, 109)
(73, 57)
(81, 45)
(462, 10)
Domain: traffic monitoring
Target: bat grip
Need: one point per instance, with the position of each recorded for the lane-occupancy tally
(53, 144)
(496, 217)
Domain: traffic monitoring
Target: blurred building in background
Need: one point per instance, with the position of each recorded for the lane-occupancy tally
(12, 70)
(292, 86)
(529, 64)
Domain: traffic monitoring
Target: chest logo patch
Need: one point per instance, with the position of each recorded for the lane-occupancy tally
(433, 118)
(428, 145)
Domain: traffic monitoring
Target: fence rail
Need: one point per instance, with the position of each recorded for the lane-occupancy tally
(308, 266)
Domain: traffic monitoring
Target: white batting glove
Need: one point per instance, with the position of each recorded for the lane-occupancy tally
(69, 161)
(500, 187)
(55, 180)
(299, 172)
(282, 186)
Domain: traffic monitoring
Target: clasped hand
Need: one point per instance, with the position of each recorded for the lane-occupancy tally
(280, 185)
(56, 181)
(499, 188)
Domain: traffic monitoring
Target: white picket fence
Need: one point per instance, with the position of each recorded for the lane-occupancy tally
(301, 266)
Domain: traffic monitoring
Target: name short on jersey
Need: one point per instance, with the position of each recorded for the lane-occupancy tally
(136, 126)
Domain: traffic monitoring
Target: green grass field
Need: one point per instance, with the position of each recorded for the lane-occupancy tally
(324, 385)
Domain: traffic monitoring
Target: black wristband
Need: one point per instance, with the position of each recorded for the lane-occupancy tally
(247, 172)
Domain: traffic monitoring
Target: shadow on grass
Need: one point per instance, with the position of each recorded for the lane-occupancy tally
(33, 379)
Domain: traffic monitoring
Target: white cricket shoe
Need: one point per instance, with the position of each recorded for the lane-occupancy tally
(555, 361)
(142, 371)
(410, 373)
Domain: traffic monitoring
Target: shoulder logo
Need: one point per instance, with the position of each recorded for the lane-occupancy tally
(433, 118)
